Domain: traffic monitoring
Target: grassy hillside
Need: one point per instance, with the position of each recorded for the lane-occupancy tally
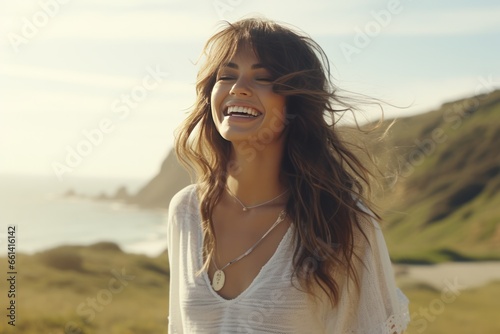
(470, 311)
(171, 178)
(442, 200)
(88, 290)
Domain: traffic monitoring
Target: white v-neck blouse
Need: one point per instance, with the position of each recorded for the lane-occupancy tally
(273, 303)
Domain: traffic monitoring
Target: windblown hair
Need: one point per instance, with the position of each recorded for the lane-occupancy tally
(325, 178)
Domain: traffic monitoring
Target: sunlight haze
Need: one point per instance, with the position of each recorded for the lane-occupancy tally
(113, 79)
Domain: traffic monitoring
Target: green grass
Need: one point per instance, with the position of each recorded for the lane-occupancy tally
(470, 311)
(49, 296)
(53, 296)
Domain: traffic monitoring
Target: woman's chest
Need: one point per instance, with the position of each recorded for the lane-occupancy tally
(271, 299)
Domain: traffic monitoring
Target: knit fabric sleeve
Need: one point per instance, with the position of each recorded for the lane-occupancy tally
(378, 306)
(181, 206)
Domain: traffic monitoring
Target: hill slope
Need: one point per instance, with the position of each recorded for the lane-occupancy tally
(171, 178)
(445, 204)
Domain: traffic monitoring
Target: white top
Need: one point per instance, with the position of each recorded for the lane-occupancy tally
(272, 304)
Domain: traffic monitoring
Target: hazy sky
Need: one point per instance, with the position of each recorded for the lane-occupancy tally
(96, 87)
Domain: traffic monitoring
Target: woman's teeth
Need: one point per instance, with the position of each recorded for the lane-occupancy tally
(242, 111)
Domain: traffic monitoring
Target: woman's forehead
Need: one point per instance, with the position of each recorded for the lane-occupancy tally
(243, 55)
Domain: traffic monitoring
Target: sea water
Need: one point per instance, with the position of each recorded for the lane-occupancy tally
(45, 218)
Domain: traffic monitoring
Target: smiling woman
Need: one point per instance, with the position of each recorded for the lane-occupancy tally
(277, 235)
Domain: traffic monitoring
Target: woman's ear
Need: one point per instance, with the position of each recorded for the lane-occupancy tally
(289, 115)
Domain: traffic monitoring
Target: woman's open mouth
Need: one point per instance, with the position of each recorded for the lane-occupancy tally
(242, 112)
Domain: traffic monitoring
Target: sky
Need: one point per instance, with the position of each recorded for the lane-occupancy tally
(96, 88)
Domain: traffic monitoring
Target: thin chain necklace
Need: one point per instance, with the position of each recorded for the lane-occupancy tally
(246, 208)
(219, 277)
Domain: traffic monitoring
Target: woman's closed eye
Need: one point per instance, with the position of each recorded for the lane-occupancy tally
(265, 80)
(225, 78)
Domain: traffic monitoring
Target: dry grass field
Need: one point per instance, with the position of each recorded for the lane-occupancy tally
(88, 290)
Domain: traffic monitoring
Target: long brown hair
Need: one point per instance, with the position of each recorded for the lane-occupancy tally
(326, 179)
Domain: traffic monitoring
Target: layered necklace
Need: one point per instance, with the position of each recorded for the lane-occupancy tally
(219, 278)
(246, 208)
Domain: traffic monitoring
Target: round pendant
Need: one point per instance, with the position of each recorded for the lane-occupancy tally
(218, 280)
(245, 209)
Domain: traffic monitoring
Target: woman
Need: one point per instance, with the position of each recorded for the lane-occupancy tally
(274, 238)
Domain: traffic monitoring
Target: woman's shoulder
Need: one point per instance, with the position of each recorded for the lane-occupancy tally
(367, 230)
(366, 217)
(184, 200)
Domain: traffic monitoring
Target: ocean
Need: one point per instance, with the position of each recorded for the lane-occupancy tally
(45, 218)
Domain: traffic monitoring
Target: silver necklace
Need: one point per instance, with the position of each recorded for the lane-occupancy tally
(219, 278)
(246, 208)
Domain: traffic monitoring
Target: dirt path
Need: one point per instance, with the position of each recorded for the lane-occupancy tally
(467, 275)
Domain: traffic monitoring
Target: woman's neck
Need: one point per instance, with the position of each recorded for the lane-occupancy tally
(254, 175)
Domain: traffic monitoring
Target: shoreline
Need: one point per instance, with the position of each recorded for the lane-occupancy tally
(93, 245)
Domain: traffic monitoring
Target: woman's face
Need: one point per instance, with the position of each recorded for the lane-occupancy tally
(244, 105)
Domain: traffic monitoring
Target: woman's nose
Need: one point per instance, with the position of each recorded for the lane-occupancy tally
(241, 87)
